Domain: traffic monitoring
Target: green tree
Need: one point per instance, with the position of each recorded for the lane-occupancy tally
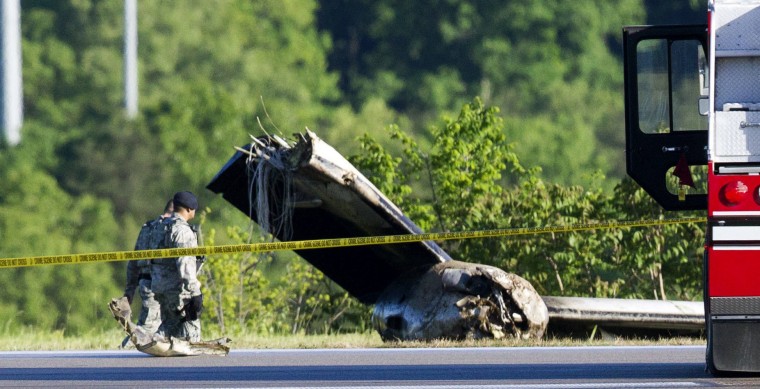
(552, 67)
(237, 292)
(676, 12)
(38, 218)
(209, 74)
(476, 182)
(205, 69)
(243, 295)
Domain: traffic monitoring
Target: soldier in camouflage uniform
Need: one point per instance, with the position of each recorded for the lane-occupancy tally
(174, 280)
(138, 276)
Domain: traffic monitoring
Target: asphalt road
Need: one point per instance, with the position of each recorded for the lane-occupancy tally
(531, 367)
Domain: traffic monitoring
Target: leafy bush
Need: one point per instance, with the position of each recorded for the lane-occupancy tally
(242, 298)
(474, 181)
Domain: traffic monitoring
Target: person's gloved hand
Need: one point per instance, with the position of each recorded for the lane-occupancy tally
(129, 298)
(194, 307)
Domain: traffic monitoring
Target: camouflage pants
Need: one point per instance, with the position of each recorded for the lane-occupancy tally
(150, 314)
(193, 330)
(173, 322)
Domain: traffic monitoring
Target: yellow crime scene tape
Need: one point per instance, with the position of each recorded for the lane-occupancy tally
(323, 243)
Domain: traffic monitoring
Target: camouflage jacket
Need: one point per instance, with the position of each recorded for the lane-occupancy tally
(179, 274)
(138, 268)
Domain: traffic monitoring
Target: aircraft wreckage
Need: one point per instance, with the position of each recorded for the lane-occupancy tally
(305, 189)
(156, 344)
(418, 291)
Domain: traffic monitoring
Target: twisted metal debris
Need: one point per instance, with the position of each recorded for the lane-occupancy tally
(307, 190)
(157, 345)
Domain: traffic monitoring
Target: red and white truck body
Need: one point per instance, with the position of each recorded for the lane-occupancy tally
(693, 110)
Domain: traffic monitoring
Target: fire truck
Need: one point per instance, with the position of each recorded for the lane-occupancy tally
(692, 97)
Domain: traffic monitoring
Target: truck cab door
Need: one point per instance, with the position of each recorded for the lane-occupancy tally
(666, 121)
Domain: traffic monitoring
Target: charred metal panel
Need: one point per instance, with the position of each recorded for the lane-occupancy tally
(325, 197)
(156, 344)
(460, 300)
(626, 313)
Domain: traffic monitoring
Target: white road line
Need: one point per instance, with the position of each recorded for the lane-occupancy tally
(599, 385)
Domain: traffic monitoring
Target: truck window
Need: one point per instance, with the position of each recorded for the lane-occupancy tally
(670, 83)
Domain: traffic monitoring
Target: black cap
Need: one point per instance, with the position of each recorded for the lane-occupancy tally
(185, 199)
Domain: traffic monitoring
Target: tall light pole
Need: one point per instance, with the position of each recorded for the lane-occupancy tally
(130, 58)
(12, 107)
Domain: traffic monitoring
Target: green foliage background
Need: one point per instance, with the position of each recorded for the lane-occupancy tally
(479, 183)
(84, 177)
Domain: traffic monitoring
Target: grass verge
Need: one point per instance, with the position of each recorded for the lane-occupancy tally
(33, 340)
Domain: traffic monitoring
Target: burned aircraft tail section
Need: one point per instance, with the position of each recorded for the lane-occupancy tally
(306, 190)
